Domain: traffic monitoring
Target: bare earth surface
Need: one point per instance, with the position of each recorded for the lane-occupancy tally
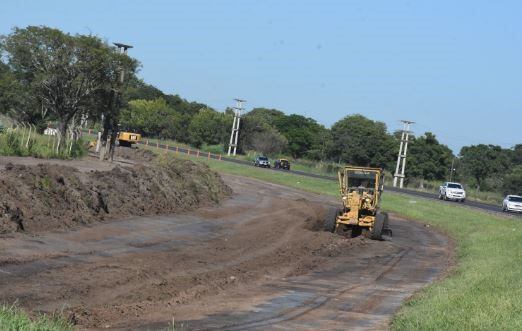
(257, 261)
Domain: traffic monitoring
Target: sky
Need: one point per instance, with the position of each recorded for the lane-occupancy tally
(452, 67)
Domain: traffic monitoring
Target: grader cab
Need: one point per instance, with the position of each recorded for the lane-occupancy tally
(360, 190)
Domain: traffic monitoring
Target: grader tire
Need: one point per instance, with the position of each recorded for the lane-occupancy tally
(380, 220)
(330, 220)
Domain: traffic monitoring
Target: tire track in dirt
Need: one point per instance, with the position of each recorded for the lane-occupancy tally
(255, 262)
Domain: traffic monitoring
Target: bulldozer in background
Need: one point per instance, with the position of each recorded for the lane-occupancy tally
(361, 190)
(127, 139)
(124, 139)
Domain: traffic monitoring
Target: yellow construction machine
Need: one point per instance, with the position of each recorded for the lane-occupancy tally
(127, 139)
(360, 189)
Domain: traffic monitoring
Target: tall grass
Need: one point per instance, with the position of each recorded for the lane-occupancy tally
(19, 143)
(14, 319)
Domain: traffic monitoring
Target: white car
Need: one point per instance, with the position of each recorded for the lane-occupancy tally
(512, 203)
(452, 191)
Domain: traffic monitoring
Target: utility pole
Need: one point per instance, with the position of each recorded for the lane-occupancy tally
(401, 158)
(452, 169)
(232, 146)
(111, 139)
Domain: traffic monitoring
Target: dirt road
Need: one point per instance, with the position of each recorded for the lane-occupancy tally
(258, 261)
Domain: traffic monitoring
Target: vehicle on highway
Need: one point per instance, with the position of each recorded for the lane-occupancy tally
(512, 203)
(262, 161)
(282, 164)
(452, 191)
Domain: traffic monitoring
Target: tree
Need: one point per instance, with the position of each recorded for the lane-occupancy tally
(303, 134)
(482, 161)
(63, 73)
(517, 154)
(360, 141)
(153, 118)
(513, 181)
(269, 142)
(427, 158)
(209, 127)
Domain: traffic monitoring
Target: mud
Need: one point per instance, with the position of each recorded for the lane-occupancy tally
(44, 197)
(256, 261)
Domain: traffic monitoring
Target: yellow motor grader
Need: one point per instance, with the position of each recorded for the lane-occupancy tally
(360, 189)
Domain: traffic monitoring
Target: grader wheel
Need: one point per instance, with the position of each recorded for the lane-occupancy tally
(380, 229)
(330, 220)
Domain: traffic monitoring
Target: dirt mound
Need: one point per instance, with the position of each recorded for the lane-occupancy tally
(52, 197)
(135, 154)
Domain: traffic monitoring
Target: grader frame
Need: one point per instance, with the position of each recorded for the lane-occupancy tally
(360, 189)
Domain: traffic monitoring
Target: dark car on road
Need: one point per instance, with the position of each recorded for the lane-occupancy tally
(282, 164)
(262, 161)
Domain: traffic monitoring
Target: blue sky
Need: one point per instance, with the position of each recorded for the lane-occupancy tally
(453, 67)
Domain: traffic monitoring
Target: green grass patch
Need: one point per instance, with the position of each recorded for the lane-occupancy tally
(483, 292)
(14, 319)
(20, 143)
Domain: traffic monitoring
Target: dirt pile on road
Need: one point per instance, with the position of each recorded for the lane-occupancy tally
(54, 197)
(136, 154)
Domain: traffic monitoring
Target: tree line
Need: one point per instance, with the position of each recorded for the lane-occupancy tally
(48, 76)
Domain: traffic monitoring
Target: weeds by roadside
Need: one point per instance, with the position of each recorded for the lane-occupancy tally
(13, 318)
(14, 143)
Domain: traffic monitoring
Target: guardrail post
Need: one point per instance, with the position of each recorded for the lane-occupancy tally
(208, 157)
(166, 148)
(188, 151)
(147, 143)
(90, 131)
(219, 157)
(157, 144)
(197, 155)
(177, 149)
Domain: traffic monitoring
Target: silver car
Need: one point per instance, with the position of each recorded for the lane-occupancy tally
(512, 203)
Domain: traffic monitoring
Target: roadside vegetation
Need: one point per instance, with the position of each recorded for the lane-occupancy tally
(482, 292)
(14, 319)
(19, 142)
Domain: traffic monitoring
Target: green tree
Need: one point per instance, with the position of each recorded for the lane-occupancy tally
(360, 141)
(427, 158)
(513, 181)
(153, 118)
(517, 154)
(209, 127)
(482, 161)
(63, 73)
(304, 135)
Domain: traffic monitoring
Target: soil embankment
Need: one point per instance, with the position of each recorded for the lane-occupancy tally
(259, 260)
(43, 197)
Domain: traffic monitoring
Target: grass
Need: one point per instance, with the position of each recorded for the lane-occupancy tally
(14, 319)
(18, 143)
(483, 292)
